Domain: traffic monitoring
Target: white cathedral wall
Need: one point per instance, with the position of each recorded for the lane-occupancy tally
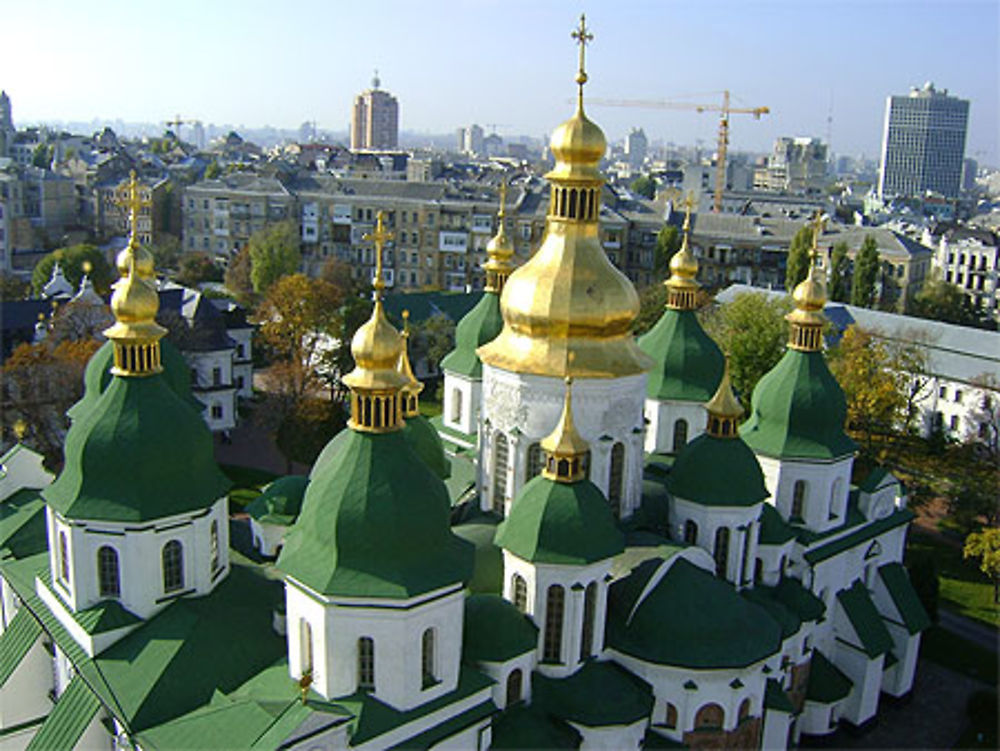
(526, 408)
(662, 417)
(25, 694)
(267, 538)
(10, 603)
(22, 468)
(741, 521)
(827, 488)
(897, 681)
(501, 671)
(861, 703)
(775, 731)
(461, 402)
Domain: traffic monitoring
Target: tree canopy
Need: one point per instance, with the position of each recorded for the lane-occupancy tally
(644, 186)
(71, 259)
(668, 242)
(274, 253)
(939, 300)
(798, 257)
(196, 268)
(840, 274)
(985, 545)
(864, 292)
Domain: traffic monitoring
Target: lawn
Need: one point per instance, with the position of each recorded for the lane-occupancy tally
(964, 589)
(958, 654)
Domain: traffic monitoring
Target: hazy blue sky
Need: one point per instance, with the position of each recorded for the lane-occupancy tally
(455, 62)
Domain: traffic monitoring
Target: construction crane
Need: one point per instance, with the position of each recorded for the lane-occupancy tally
(724, 109)
(176, 124)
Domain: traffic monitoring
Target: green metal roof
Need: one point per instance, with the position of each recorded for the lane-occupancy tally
(280, 501)
(15, 642)
(858, 536)
(374, 523)
(793, 595)
(786, 618)
(495, 631)
(773, 529)
(443, 730)
(775, 697)
(462, 480)
(105, 616)
(688, 364)
(22, 524)
(904, 597)
(558, 522)
(689, 618)
(487, 571)
(479, 326)
(798, 411)
(696, 474)
(598, 694)
(826, 683)
(426, 443)
(529, 728)
(140, 454)
(68, 720)
(865, 619)
(330, 451)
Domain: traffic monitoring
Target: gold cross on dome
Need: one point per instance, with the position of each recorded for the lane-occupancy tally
(380, 236)
(582, 36)
(131, 199)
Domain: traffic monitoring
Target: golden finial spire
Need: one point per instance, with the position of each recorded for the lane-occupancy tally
(500, 250)
(411, 391)
(682, 286)
(724, 409)
(131, 199)
(565, 449)
(807, 319)
(20, 429)
(379, 237)
(583, 36)
(135, 333)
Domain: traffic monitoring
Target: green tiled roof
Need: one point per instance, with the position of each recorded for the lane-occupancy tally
(105, 616)
(22, 524)
(689, 618)
(775, 697)
(790, 592)
(598, 694)
(374, 523)
(558, 522)
(655, 740)
(330, 451)
(426, 443)
(15, 642)
(528, 728)
(865, 619)
(874, 480)
(904, 597)
(479, 326)
(786, 618)
(280, 501)
(423, 305)
(859, 536)
(798, 411)
(826, 683)
(773, 529)
(688, 364)
(68, 719)
(462, 479)
(454, 437)
(140, 454)
(431, 737)
(495, 631)
(696, 474)
(487, 570)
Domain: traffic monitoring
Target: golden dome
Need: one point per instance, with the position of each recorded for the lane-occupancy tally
(413, 385)
(809, 295)
(144, 263)
(578, 146)
(500, 250)
(724, 403)
(135, 333)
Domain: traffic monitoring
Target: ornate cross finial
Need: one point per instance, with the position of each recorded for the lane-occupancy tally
(582, 36)
(133, 201)
(379, 237)
(818, 222)
(503, 195)
(688, 205)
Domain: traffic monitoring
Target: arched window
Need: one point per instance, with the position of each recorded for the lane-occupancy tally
(758, 571)
(690, 532)
(798, 500)
(366, 664)
(721, 551)
(680, 434)
(589, 615)
(520, 593)
(499, 471)
(214, 544)
(535, 461)
(835, 493)
(709, 716)
(428, 677)
(671, 719)
(515, 683)
(552, 646)
(744, 710)
(108, 582)
(305, 646)
(63, 557)
(173, 566)
(456, 405)
(615, 478)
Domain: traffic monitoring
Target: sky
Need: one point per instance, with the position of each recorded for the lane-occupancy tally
(823, 68)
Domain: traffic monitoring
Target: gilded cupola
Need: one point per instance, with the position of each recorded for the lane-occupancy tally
(565, 450)
(682, 286)
(807, 320)
(500, 250)
(413, 387)
(724, 409)
(569, 298)
(375, 382)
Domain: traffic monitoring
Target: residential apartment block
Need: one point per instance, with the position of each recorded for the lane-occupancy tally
(970, 258)
(375, 119)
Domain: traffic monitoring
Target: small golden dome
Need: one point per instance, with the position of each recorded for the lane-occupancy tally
(684, 265)
(578, 146)
(564, 447)
(810, 293)
(134, 300)
(376, 348)
(724, 403)
(144, 263)
(414, 386)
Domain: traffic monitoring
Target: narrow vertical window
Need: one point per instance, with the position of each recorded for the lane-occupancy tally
(63, 558)
(428, 677)
(671, 718)
(589, 616)
(690, 532)
(535, 461)
(680, 435)
(552, 646)
(305, 646)
(499, 472)
(616, 478)
(173, 566)
(520, 593)
(744, 712)
(514, 686)
(721, 551)
(108, 581)
(798, 500)
(366, 664)
(214, 544)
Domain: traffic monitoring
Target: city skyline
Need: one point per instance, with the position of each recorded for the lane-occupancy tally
(500, 63)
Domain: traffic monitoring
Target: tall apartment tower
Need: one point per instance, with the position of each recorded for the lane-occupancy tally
(375, 119)
(6, 124)
(923, 143)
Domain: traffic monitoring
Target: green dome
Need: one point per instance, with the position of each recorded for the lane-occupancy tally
(374, 523)
(487, 573)
(798, 411)
(688, 619)
(426, 443)
(97, 376)
(558, 522)
(281, 500)
(479, 326)
(696, 474)
(495, 631)
(330, 450)
(688, 363)
(140, 453)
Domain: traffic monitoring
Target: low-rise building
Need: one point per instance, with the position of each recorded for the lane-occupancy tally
(970, 259)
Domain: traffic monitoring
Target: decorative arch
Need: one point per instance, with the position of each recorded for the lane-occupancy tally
(366, 664)
(456, 404)
(427, 661)
(173, 566)
(305, 647)
(710, 716)
(535, 461)
(63, 555)
(721, 551)
(501, 458)
(691, 532)
(800, 491)
(744, 712)
(589, 618)
(515, 686)
(214, 544)
(670, 720)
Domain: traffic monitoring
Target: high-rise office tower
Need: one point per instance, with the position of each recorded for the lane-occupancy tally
(923, 143)
(375, 119)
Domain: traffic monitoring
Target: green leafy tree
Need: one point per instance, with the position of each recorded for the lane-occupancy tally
(939, 300)
(644, 186)
(13, 287)
(274, 253)
(196, 268)
(434, 338)
(668, 242)
(308, 428)
(798, 257)
(651, 302)
(840, 274)
(166, 251)
(752, 330)
(985, 545)
(42, 156)
(237, 277)
(212, 171)
(71, 259)
(866, 268)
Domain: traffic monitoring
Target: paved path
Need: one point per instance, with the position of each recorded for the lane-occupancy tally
(968, 628)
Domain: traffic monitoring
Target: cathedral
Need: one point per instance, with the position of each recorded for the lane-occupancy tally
(639, 566)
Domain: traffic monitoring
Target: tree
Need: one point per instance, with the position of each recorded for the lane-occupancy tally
(237, 277)
(308, 428)
(166, 251)
(923, 570)
(12, 287)
(274, 253)
(840, 269)
(434, 338)
(644, 186)
(798, 257)
(908, 358)
(651, 302)
(71, 259)
(985, 545)
(42, 156)
(866, 268)
(196, 268)
(337, 360)
(212, 171)
(668, 242)
(338, 273)
(752, 331)
(943, 301)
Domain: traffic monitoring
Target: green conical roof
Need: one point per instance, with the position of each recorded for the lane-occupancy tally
(560, 522)
(140, 453)
(495, 631)
(374, 523)
(330, 450)
(426, 443)
(281, 500)
(798, 411)
(688, 363)
(480, 325)
(696, 474)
